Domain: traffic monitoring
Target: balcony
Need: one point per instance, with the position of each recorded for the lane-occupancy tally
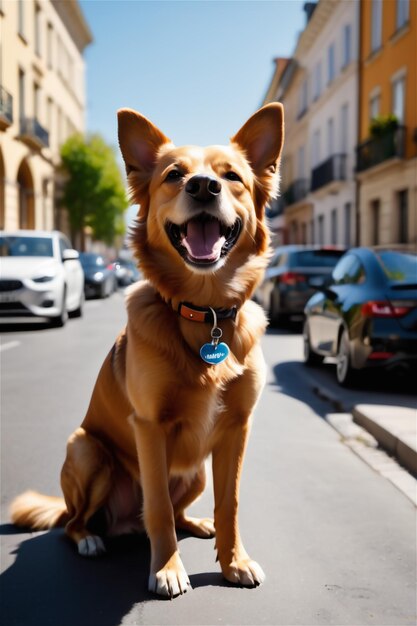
(33, 134)
(6, 109)
(379, 149)
(329, 174)
(297, 191)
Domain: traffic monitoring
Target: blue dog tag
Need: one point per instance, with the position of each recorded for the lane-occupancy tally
(214, 354)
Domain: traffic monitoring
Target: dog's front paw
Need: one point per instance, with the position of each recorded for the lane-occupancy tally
(91, 546)
(244, 572)
(171, 580)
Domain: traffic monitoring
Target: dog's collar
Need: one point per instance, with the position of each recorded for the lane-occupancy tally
(195, 313)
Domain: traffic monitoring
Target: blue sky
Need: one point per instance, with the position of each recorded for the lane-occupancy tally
(197, 68)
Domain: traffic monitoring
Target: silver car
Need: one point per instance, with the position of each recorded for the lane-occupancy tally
(40, 275)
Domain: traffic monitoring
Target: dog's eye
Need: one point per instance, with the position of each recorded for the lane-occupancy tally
(173, 175)
(233, 176)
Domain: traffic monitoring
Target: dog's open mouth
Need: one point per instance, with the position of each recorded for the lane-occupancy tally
(204, 239)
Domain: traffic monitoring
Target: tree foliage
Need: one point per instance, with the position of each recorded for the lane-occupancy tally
(93, 192)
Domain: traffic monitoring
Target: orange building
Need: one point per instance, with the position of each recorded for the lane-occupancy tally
(387, 151)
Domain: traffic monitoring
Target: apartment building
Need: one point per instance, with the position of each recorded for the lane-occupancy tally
(387, 151)
(319, 90)
(42, 102)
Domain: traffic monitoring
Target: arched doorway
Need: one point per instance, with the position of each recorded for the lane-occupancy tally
(26, 197)
(2, 194)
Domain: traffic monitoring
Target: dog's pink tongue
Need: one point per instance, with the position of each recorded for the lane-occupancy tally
(203, 239)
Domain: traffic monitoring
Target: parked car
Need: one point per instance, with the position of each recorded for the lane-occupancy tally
(99, 277)
(41, 275)
(292, 276)
(367, 316)
(126, 272)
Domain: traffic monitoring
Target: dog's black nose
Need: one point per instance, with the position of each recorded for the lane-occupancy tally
(203, 188)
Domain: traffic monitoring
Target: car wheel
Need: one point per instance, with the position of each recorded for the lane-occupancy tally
(345, 374)
(60, 320)
(311, 358)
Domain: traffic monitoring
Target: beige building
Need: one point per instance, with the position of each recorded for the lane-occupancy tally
(42, 102)
(318, 88)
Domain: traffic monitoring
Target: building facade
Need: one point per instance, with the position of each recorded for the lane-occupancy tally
(42, 102)
(386, 152)
(319, 90)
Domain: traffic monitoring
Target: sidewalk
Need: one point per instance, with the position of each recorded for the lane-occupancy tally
(395, 429)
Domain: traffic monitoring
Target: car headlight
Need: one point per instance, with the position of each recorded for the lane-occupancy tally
(43, 279)
(98, 276)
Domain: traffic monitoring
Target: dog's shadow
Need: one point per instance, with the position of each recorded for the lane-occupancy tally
(49, 583)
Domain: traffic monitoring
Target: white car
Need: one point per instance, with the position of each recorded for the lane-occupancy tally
(40, 275)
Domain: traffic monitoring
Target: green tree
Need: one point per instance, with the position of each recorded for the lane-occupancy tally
(93, 192)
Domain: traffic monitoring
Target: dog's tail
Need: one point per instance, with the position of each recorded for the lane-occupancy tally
(38, 512)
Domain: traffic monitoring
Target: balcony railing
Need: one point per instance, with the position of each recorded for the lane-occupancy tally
(380, 149)
(33, 134)
(297, 191)
(331, 170)
(6, 108)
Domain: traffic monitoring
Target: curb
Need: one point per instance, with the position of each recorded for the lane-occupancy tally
(395, 433)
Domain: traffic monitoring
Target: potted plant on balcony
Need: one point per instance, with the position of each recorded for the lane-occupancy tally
(383, 125)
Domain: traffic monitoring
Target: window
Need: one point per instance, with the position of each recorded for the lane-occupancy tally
(348, 220)
(315, 148)
(312, 231)
(320, 225)
(49, 45)
(317, 82)
(301, 162)
(403, 7)
(376, 25)
(347, 45)
(375, 215)
(344, 128)
(36, 101)
(21, 17)
(398, 98)
(303, 99)
(304, 232)
(22, 108)
(402, 203)
(330, 137)
(349, 271)
(334, 226)
(38, 26)
(374, 104)
(331, 64)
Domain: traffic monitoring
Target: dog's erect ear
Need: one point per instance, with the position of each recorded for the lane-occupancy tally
(262, 138)
(139, 141)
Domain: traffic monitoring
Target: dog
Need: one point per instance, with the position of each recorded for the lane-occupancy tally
(183, 377)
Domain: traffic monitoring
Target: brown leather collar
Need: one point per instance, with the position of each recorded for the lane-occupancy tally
(195, 313)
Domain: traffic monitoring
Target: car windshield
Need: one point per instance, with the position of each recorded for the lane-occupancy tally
(25, 246)
(91, 260)
(316, 258)
(399, 266)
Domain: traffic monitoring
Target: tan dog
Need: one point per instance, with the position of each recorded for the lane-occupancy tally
(202, 244)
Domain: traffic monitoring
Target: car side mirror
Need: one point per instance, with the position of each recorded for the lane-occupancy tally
(329, 293)
(70, 255)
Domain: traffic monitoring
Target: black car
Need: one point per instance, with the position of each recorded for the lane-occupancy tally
(99, 279)
(292, 276)
(367, 316)
(126, 272)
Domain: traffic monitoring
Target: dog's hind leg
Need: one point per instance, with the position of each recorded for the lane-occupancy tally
(182, 496)
(86, 481)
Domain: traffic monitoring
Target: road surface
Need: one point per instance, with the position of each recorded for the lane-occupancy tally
(336, 540)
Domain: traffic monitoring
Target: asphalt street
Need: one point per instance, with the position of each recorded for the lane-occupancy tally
(336, 539)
